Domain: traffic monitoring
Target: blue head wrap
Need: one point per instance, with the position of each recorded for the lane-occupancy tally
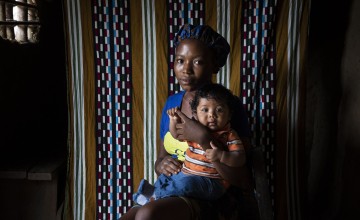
(207, 35)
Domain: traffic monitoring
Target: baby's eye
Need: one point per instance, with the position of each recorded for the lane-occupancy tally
(204, 110)
(198, 62)
(220, 110)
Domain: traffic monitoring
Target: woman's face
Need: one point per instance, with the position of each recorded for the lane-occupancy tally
(193, 64)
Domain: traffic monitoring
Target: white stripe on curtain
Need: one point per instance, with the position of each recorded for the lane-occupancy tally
(223, 28)
(76, 66)
(149, 60)
(293, 81)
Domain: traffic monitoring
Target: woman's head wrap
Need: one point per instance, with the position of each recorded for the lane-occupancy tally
(207, 35)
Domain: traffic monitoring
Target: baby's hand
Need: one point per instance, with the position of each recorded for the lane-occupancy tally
(172, 114)
(213, 154)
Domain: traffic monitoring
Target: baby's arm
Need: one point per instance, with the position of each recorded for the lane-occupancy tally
(174, 119)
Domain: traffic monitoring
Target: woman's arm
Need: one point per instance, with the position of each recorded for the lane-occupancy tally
(238, 176)
(192, 130)
(229, 158)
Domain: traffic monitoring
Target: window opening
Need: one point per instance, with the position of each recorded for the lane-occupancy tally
(19, 20)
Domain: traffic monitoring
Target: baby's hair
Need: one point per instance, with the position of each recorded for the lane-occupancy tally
(214, 91)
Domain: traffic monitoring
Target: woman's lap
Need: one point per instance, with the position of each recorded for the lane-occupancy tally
(191, 209)
(188, 185)
(173, 208)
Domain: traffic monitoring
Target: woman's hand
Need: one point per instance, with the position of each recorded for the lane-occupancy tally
(168, 166)
(192, 130)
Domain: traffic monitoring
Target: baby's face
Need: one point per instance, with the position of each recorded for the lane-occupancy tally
(213, 114)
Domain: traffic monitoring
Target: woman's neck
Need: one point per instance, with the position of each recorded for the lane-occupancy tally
(189, 95)
(185, 105)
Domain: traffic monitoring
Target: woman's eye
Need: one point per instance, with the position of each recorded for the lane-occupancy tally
(179, 60)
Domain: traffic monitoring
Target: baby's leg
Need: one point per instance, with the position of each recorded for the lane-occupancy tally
(144, 193)
(190, 186)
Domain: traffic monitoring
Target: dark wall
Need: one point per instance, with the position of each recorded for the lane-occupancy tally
(333, 116)
(33, 96)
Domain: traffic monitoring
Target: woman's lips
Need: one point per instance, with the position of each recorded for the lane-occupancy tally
(185, 81)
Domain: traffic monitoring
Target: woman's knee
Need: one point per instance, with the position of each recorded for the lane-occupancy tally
(164, 209)
(146, 213)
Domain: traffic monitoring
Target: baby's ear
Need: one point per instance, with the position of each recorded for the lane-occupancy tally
(216, 70)
(194, 115)
(230, 114)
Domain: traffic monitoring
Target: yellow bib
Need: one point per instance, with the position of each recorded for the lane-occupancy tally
(174, 147)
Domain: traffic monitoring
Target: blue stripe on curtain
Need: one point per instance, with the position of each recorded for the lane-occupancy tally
(258, 89)
(113, 102)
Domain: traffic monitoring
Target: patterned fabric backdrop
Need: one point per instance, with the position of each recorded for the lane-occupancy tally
(113, 107)
(258, 79)
(120, 55)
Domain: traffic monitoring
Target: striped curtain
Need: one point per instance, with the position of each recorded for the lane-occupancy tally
(120, 59)
(258, 91)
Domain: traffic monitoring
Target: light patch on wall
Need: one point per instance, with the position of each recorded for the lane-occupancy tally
(19, 21)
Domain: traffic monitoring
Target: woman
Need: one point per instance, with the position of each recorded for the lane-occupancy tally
(200, 52)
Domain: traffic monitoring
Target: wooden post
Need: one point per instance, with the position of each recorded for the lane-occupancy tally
(9, 17)
(21, 15)
(2, 18)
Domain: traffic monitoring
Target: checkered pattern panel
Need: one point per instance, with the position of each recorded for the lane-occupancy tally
(179, 13)
(113, 102)
(258, 77)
